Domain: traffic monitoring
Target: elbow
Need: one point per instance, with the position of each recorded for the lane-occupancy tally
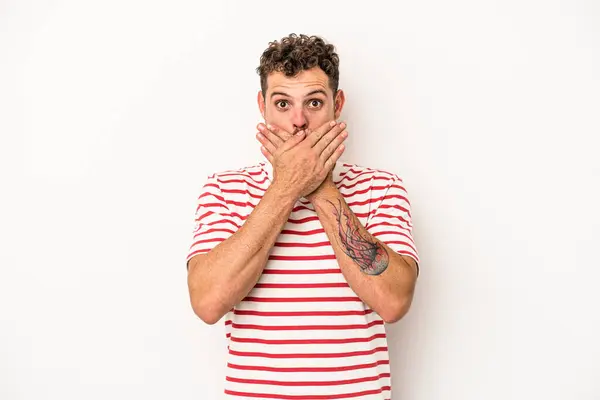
(208, 312)
(202, 299)
(394, 311)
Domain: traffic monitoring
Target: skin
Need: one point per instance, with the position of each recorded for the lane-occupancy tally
(382, 278)
(219, 279)
(304, 102)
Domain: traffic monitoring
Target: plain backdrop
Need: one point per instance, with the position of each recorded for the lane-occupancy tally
(113, 113)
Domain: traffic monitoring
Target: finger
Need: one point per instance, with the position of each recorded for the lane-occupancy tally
(335, 143)
(266, 143)
(293, 141)
(273, 133)
(334, 157)
(280, 132)
(329, 137)
(316, 135)
(266, 153)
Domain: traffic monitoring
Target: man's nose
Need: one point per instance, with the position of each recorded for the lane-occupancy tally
(299, 120)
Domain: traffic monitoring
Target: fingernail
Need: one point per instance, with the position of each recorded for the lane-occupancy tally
(270, 127)
(332, 123)
(342, 125)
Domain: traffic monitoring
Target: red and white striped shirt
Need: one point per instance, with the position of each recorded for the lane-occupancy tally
(302, 332)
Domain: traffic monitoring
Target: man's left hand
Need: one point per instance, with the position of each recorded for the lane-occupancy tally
(274, 136)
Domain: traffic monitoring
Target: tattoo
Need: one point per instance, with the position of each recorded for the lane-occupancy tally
(369, 254)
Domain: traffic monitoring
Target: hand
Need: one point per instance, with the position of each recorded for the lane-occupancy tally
(302, 162)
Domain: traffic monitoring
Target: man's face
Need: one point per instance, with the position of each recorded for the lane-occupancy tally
(300, 102)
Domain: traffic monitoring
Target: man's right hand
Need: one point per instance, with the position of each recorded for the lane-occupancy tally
(302, 162)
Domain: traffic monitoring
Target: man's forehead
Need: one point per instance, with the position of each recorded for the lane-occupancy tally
(306, 81)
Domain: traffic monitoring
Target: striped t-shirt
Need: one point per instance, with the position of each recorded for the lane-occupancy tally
(302, 333)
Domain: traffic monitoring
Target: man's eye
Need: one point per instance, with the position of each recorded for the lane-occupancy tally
(315, 103)
(281, 104)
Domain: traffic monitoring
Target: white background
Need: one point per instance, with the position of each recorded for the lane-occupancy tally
(112, 114)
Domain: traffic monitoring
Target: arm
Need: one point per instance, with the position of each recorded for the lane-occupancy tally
(382, 278)
(221, 278)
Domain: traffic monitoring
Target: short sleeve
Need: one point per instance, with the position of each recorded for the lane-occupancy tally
(213, 221)
(392, 222)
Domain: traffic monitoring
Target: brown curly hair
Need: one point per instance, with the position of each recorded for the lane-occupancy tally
(296, 53)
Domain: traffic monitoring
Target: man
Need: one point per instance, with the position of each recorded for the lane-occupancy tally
(305, 257)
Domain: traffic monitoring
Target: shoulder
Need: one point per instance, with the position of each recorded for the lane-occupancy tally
(238, 183)
(347, 171)
(253, 172)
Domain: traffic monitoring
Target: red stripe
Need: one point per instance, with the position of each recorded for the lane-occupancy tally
(243, 173)
(222, 181)
(308, 355)
(239, 191)
(303, 258)
(222, 221)
(395, 206)
(307, 397)
(303, 220)
(206, 214)
(306, 327)
(214, 230)
(298, 299)
(346, 174)
(363, 191)
(245, 169)
(308, 369)
(301, 313)
(236, 203)
(309, 383)
(381, 215)
(302, 233)
(287, 244)
(207, 241)
(298, 208)
(400, 242)
(302, 271)
(206, 205)
(408, 253)
(245, 217)
(210, 185)
(391, 233)
(366, 170)
(372, 178)
(300, 285)
(386, 224)
(307, 341)
(377, 199)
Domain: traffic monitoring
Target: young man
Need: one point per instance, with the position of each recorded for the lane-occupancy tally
(305, 257)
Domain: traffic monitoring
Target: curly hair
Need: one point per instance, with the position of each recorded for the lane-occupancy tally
(293, 54)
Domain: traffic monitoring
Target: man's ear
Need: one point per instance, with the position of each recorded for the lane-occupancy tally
(261, 103)
(340, 99)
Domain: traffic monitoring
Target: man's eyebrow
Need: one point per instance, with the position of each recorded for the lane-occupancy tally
(280, 93)
(317, 91)
(321, 91)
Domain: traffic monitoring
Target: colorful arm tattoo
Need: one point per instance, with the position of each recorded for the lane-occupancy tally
(369, 254)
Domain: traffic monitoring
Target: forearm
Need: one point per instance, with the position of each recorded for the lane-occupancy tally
(382, 278)
(221, 278)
